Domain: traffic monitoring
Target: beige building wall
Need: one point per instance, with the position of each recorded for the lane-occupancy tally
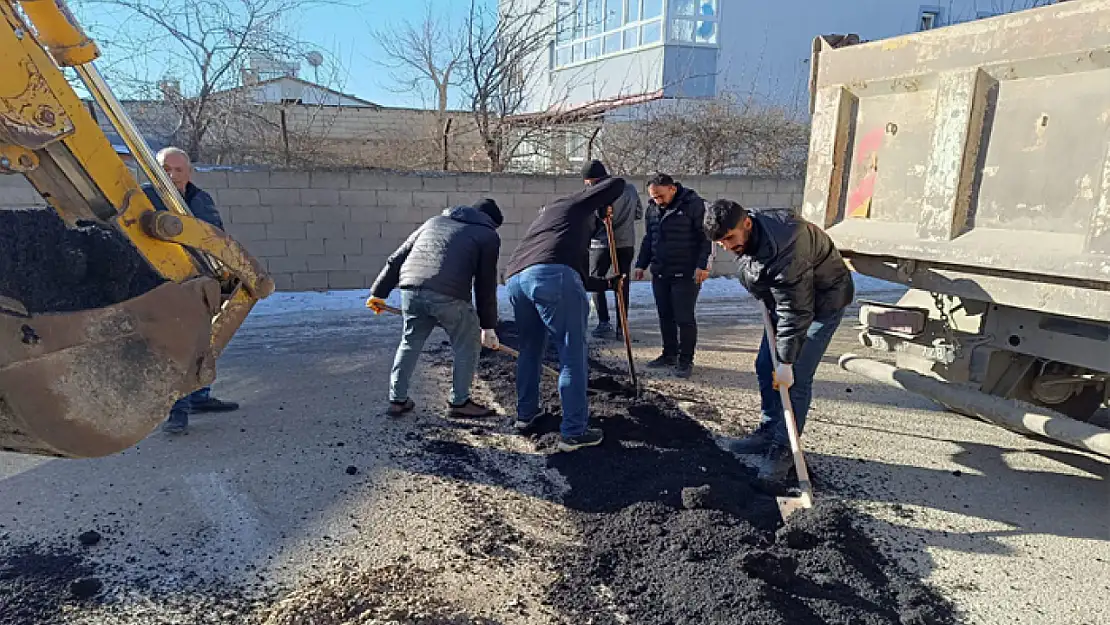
(334, 230)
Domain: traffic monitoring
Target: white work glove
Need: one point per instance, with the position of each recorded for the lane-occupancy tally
(784, 375)
(489, 339)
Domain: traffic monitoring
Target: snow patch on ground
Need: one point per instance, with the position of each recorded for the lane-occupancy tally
(286, 302)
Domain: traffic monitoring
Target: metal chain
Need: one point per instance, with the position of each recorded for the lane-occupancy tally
(946, 323)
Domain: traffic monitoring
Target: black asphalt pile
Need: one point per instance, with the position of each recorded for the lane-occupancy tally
(38, 581)
(49, 267)
(675, 533)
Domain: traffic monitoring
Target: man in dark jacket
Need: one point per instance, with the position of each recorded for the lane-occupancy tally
(677, 252)
(435, 269)
(794, 270)
(178, 166)
(626, 211)
(547, 284)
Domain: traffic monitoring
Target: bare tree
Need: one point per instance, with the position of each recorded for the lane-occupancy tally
(205, 46)
(422, 56)
(718, 136)
(504, 48)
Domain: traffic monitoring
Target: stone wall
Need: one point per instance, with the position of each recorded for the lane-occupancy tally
(333, 230)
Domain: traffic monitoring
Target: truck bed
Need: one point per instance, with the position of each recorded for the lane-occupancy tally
(973, 159)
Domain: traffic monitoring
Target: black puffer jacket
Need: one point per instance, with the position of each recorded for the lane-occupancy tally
(448, 254)
(674, 242)
(793, 267)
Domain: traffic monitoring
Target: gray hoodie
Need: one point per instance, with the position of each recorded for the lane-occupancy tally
(626, 211)
(447, 254)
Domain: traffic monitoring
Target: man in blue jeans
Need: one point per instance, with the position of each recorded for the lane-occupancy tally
(548, 280)
(435, 268)
(792, 267)
(178, 166)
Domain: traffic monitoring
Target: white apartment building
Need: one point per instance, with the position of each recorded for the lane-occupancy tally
(606, 50)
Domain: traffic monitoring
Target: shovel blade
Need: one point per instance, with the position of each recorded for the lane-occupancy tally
(790, 505)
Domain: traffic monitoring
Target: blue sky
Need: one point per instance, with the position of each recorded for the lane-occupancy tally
(341, 33)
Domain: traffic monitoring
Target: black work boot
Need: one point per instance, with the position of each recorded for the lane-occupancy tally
(211, 404)
(776, 464)
(753, 444)
(603, 330)
(662, 362)
(684, 370)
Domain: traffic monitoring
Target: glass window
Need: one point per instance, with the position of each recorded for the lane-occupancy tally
(593, 48)
(576, 53)
(633, 13)
(652, 8)
(631, 38)
(682, 30)
(707, 8)
(706, 32)
(612, 43)
(594, 17)
(562, 56)
(683, 7)
(613, 12)
(580, 20)
(651, 33)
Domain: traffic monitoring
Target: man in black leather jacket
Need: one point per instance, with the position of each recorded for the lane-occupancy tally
(436, 269)
(794, 270)
(677, 252)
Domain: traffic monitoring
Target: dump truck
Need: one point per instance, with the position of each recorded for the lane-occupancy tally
(109, 309)
(971, 163)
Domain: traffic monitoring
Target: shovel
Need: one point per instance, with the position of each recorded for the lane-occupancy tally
(621, 304)
(789, 505)
(504, 348)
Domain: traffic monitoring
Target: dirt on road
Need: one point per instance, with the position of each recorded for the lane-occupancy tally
(312, 507)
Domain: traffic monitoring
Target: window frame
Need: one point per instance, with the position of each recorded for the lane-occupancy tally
(673, 19)
(628, 30)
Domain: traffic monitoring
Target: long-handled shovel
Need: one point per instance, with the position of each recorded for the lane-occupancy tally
(789, 505)
(621, 304)
(504, 348)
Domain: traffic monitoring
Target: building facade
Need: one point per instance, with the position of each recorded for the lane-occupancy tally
(606, 50)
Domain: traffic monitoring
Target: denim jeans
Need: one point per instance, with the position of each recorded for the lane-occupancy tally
(801, 393)
(550, 300)
(423, 310)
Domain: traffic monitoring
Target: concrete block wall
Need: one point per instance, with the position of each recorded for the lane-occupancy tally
(334, 230)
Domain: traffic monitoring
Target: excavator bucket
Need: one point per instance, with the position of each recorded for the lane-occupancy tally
(93, 382)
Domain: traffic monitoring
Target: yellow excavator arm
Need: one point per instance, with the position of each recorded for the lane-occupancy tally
(86, 380)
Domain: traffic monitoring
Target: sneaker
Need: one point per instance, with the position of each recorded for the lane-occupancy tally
(468, 410)
(683, 370)
(398, 408)
(522, 424)
(603, 330)
(211, 404)
(662, 362)
(776, 464)
(177, 423)
(753, 444)
(589, 438)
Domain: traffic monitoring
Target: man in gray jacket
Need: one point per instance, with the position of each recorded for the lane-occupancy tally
(626, 211)
(435, 268)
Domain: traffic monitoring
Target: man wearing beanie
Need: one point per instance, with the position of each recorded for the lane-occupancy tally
(626, 211)
(435, 268)
(547, 284)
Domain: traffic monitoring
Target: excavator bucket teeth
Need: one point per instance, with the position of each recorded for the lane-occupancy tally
(94, 382)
